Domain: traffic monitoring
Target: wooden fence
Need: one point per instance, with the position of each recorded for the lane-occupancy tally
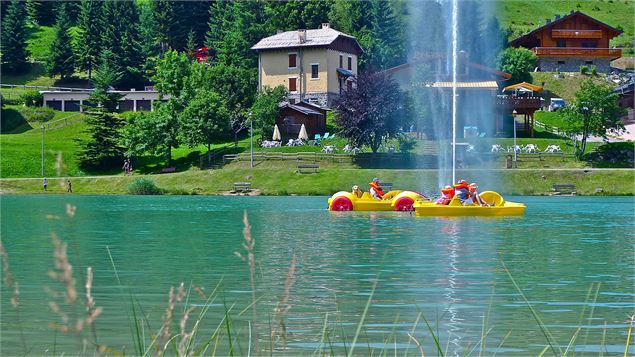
(283, 156)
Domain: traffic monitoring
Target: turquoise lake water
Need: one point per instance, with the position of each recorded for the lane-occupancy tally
(573, 258)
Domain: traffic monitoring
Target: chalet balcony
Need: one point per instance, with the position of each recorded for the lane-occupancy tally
(572, 34)
(578, 52)
(511, 102)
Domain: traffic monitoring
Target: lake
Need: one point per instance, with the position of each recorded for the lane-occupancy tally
(426, 277)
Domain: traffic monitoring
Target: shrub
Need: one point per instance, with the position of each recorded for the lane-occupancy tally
(406, 143)
(31, 98)
(144, 186)
(594, 70)
(584, 69)
(39, 114)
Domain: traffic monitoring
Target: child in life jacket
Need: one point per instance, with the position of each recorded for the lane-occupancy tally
(476, 197)
(446, 196)
(375, 189)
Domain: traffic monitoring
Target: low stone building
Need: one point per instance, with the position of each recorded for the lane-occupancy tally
(76, 100)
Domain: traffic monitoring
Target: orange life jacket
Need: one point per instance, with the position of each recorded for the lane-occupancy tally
(448, 192)
(377, 188)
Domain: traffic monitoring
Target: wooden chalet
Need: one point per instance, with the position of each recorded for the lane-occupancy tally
(292, 116)
(568, 42)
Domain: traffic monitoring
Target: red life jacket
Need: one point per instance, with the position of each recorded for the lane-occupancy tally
(377, 188)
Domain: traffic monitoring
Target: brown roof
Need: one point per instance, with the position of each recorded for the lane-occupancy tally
(518, 41)
(525, 85)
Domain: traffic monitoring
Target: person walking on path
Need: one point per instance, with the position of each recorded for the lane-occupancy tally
(70, 186)
(126, 166)
(45, 183)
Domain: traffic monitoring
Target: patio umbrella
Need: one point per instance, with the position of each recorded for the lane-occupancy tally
(303, 135)
(276, 133)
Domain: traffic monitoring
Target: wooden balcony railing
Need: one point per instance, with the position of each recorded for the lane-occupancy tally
(518, 102)
(577, 52)
(576, 33)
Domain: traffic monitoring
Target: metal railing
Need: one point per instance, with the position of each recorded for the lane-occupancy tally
(24, 86)
(62, 123)
(518, 102)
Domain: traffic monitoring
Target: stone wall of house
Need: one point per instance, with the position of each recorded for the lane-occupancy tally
(570, 64)
(323, 99)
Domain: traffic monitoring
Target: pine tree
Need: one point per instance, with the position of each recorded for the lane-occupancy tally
(217, 23)
(61, 59)
(89, 42)
(162, 14)
(388, 34)
(14, 36)
(103, 148)
(121, 35)
(191, 45)
(32, 7)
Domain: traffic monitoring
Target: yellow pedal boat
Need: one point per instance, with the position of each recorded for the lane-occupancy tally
(455, 208)
(392, 201)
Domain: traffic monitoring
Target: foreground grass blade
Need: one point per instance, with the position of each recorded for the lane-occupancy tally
(361, 321)
(628, 338)
(542, 326)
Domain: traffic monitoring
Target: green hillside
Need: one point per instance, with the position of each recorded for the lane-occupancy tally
(525, 16)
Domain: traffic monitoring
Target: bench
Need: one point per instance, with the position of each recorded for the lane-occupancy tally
(305, 167)
(242, 186)
(166, 170)
(568, 189)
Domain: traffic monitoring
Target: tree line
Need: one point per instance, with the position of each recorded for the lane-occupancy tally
(138, 33)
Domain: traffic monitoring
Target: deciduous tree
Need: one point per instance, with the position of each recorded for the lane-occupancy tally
(265, 109)
(154, 133)
(519, 62)
(594, 111)
(204, 120)
(371, 112)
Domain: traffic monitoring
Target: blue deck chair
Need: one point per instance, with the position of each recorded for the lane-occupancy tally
(318, 137)
(326, 136)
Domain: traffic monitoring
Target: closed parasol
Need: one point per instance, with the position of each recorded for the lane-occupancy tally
(303, 135)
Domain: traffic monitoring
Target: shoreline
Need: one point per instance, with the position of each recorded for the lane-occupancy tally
(286, 181)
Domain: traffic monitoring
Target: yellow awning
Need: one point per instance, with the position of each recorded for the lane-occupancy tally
(524, 85)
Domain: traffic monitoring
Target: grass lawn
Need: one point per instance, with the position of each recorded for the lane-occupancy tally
(275, 179)
(525, 16)
(21, 153)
